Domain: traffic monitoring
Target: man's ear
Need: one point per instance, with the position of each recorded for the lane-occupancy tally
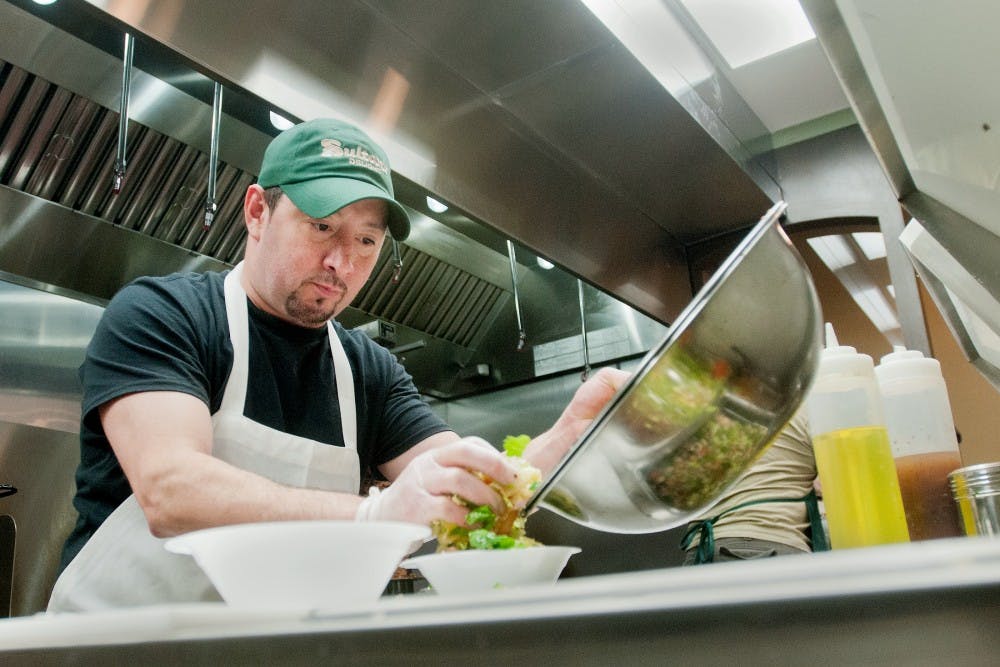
(255, 210)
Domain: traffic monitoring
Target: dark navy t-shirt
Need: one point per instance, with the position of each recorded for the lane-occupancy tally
(171, 334)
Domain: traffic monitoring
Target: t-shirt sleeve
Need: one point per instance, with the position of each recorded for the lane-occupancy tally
(147, 340)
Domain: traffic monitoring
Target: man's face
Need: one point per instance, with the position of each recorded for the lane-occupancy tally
(307, 270)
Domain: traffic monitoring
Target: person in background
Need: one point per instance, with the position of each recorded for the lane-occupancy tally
(234, 397)
(771, 511)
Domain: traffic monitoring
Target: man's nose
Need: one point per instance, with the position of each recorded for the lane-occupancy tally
(339, 258)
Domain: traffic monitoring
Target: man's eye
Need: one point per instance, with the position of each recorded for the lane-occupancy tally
(321, 226)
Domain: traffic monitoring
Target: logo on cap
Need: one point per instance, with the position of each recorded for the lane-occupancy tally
(356, 156)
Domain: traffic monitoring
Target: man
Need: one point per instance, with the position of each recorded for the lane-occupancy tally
(213, 399)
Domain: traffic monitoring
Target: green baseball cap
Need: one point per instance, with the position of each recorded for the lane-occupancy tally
(325, 164)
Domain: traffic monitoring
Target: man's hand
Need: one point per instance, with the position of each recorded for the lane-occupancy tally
(425, 488)
(548, 449)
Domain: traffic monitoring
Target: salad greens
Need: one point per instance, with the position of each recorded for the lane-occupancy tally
(513, 445)
(485, 529)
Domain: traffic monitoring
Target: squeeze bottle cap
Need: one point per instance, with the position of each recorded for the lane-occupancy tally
(903, 363)
(839, 359)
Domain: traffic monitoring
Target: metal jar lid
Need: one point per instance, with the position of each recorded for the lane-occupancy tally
(976, 480)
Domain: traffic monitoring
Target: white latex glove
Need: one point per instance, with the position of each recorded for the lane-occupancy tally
(423, 491)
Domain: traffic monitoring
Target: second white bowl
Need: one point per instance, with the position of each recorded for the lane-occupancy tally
(455, 572)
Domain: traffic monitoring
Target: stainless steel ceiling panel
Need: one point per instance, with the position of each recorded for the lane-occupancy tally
(68, 251)
(544, 202)
(609, 116)
(467, 36)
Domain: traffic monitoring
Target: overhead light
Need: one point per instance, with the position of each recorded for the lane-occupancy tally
(544, 263)
(833, 250)
(745, 31)
(44, 2)
(649, 30)
(280, 122)
(872, 244)
(436, 206)
(872, 301)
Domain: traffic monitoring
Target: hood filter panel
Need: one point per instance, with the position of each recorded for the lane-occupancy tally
(61, 147)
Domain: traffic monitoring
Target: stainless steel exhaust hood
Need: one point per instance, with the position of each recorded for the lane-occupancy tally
(529, 119)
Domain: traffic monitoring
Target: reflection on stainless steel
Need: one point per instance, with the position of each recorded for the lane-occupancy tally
(42, 341)
(704, 403)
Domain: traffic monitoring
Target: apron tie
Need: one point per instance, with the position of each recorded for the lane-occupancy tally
(705, 529)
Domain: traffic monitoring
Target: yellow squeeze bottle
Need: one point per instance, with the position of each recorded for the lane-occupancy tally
(857, 472)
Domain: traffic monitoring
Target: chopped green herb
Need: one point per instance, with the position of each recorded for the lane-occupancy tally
(487, 539)
(513, 445)
(483, 516)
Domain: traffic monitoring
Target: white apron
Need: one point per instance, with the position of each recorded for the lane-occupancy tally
(123, 564)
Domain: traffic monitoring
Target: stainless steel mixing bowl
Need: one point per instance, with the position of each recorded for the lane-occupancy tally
(705, 402)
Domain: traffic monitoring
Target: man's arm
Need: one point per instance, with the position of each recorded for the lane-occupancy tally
(163, 441)
(546, 450)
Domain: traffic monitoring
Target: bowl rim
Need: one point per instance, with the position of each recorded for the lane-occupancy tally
(413, 562)
(183, 543)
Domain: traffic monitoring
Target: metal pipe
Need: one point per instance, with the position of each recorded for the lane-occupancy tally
(213, 156)
(397, 263)
(522, 337)
(120, 161)
(583, 331)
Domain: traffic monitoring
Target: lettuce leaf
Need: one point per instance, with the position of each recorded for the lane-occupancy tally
(513, 445)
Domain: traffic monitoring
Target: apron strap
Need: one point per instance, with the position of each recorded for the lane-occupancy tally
(705, 529)
(816, 533)
(345, 390)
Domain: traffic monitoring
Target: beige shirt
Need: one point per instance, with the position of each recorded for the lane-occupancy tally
(786, 469)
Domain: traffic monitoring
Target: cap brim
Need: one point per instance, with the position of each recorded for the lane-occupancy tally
(321, 197)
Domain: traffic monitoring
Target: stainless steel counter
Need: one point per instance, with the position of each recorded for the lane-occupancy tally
(909, 604)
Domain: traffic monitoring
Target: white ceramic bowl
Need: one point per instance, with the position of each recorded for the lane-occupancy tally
(454, 572)
(301, 564)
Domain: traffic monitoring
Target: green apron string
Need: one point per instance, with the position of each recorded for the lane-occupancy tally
(704, 529)
(816, 532)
